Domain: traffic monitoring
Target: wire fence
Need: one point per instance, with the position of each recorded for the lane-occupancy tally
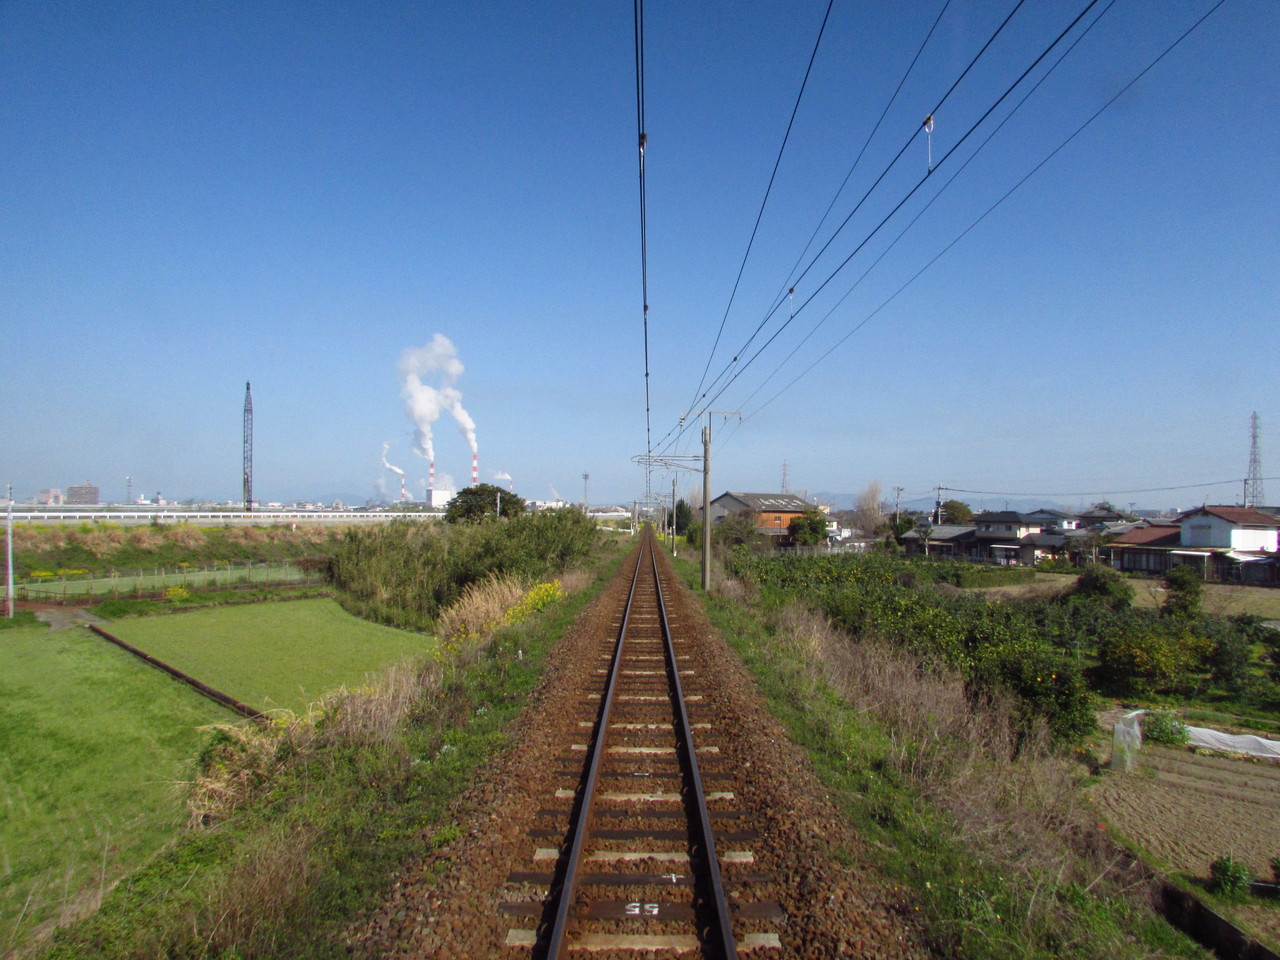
(146, 583)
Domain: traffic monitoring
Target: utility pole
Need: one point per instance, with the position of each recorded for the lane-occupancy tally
(673, 516)
(937, 507)
(585, 500)
(897, 496)
(706, 492)
(128, 490)
(9, 553)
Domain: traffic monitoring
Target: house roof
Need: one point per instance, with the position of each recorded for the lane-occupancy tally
(765, 502)
(1245, 516)
(1155, 535)
(1004, 516)
(943, 531)
(1050, 512)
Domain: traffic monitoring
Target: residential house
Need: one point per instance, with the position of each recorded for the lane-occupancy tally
(771, 513)
(949, 541)
(1223, 543)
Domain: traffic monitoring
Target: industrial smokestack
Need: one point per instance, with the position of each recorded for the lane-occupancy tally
(403, 495)
(475, 469)
(431, 478)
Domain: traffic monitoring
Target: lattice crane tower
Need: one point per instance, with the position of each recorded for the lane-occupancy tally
(248, 448)
(1253, 495)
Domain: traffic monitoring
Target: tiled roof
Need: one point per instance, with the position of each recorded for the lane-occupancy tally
(1242, 515)
(1156, 535)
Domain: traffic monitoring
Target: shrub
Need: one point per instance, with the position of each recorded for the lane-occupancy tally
(1145, 658)
(1275, 869)
(1163, 727)
(1105, 585)
(1230, 878)
(1185, 592)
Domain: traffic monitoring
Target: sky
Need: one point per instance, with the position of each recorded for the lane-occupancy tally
(301, 195)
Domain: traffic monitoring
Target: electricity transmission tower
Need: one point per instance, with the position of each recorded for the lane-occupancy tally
(1253, 495)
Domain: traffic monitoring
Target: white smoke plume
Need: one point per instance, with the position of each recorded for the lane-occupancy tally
(391, 467)
(437, 361)
(502, 475)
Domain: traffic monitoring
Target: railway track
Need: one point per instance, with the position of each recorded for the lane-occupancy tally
(643, 847)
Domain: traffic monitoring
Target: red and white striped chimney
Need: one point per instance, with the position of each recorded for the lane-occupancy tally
(431, 476)
(403, 495)
(475, 469)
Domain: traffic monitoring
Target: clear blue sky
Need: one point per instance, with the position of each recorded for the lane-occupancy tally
(197, 195)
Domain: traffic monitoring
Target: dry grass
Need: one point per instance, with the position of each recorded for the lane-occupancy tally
(479, 610)
(1011, 796)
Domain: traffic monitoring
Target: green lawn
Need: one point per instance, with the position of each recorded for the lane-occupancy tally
(92, 746)
(271, 655)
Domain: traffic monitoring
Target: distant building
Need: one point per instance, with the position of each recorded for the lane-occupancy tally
(83, 496)
(770, 513)
(50, 498)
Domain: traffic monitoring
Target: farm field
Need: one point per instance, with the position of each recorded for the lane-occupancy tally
(93, 747)
(1220, 599)
(285, 654)
(142, 583)
(1187, 810)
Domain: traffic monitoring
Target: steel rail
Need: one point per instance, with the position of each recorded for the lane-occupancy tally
(721, 932)
(569, 887)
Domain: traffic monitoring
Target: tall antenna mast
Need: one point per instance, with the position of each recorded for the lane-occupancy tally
(248, 448)
(786, 477)
(1253, 495)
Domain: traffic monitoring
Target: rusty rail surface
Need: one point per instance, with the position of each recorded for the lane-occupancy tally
(710, 915)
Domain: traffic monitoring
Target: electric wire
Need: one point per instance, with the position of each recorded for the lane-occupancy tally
(899, 206)
(1080, 129)
(765, 200)
(680, 429)
(914, 220)
(1095, 493)
(831, 276)
(888, 168)
(642, 139)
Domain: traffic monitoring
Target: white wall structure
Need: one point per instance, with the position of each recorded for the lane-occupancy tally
(1233, 528)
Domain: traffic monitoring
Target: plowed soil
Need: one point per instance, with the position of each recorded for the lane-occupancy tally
(1189, 809)
(447, 904)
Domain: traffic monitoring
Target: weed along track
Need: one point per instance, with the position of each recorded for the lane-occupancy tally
(636, 865)
(648, 807)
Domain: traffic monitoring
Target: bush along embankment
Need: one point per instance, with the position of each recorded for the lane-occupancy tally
(403, 574)
(102, 548)
(295, 826)
(959, 781)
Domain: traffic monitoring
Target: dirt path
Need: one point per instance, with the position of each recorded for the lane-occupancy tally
(447, 905)
(62, 618)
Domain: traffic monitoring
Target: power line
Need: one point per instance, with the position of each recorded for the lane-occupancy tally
(740, 370)
(765, 200)
(885, 172)
(1080, 129)
(914, 220)
(642, 139)
(1094, 493)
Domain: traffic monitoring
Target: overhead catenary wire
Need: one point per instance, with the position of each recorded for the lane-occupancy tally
(765, 200)
(914, 220)
(898, 206)
(642, 141)
(870, 190)
(1080, 129)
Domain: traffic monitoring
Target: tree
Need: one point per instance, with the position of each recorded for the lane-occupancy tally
(868, 512)
(684, 516)
(1102, 583)
(482, 502)
(808, 528)
(1185, 590)
(957, 512)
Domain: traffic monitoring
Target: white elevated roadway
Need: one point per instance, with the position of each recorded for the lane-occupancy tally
(210, 517)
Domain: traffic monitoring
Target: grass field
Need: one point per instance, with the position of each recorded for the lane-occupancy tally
(92, 743)
(272, 655)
